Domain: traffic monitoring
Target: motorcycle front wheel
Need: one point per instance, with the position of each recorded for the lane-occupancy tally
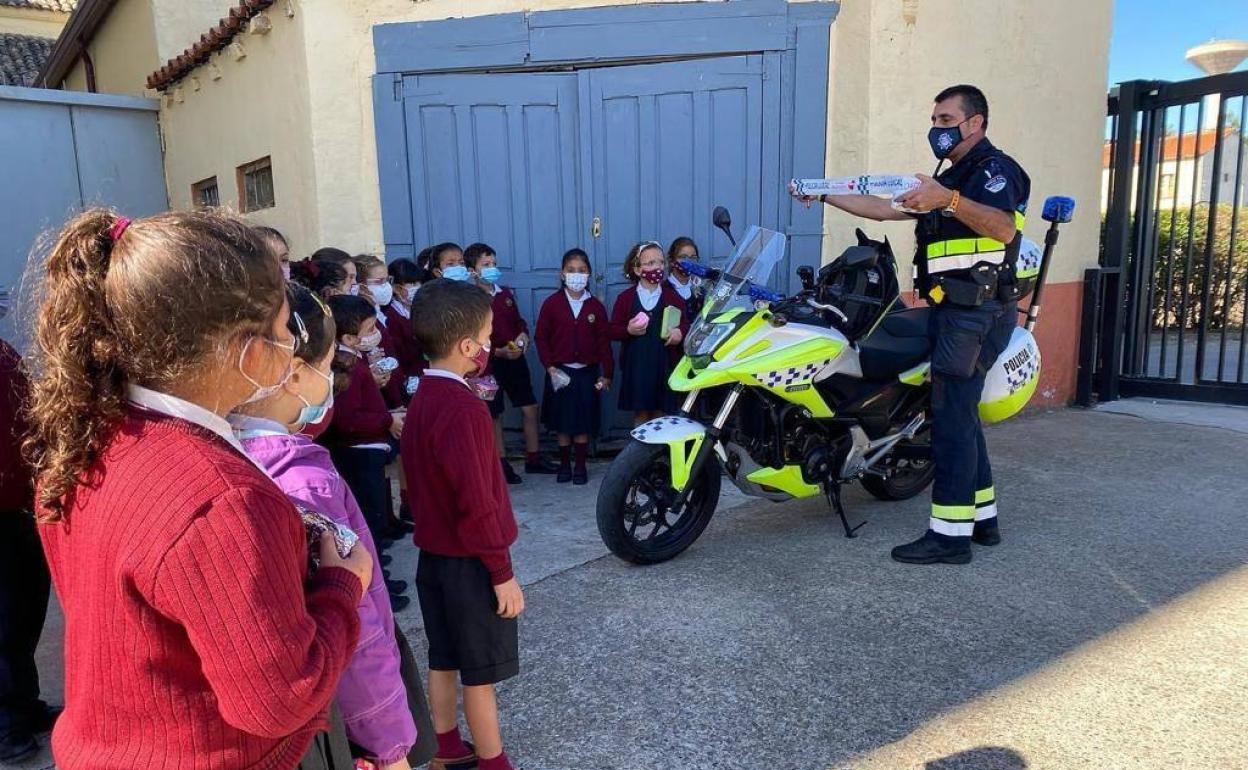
(635, 516)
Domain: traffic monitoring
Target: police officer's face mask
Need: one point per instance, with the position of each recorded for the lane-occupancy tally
(944, 139)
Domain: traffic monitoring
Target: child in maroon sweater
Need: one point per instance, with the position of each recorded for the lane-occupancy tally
(464, 526)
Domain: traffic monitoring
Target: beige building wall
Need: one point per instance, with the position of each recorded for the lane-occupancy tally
(31, 21)
(179, 23)
(234, 111)
(1043, 67)
(123, 52)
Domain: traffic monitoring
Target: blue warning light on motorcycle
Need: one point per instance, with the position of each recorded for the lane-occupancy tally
(1058, 208)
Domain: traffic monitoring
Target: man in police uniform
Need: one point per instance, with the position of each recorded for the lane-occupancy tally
(969, 223)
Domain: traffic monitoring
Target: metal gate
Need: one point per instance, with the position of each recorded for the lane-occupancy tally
(1164, 314)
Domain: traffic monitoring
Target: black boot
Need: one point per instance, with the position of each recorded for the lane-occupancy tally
(42, 717)
(512, 477)
(17, 745)
(987, 532)
(934, 549)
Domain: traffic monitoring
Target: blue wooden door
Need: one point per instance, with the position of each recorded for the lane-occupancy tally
(493, 158)
(669, 142)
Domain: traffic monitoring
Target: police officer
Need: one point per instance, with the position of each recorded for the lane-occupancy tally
(969, 221)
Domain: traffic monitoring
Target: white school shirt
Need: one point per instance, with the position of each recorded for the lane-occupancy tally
(449, 375)
(404, 312)
(649, 297)
(685, 290)
(386, 447)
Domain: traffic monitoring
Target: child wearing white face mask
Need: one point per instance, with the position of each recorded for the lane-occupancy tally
(374, 283)
(382, 703)
(572, 344)
(406, 278)
(363, 435)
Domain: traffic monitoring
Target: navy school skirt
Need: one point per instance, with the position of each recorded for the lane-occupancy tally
(574, 409)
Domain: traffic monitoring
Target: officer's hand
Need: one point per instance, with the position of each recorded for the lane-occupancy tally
(929, 195)
(806, 199)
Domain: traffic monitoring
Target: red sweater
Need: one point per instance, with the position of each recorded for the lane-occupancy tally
(622, 313)
(16, 493)
(455, 486)
(564, 339)
(191, 640)
(411, 355)
(360, 412)
(508, 323)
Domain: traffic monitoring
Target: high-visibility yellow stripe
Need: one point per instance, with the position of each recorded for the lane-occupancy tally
(1019, 219)
(986, 495)
(957, 246)
(953, 512)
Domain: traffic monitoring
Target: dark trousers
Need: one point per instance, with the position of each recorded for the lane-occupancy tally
(364, 470)
(24, 589)
(965, 344)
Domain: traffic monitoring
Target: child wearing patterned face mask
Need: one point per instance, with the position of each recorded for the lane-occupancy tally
(646, 357)
(363, 436)
(572, 343)
(380, 706)
(510, 341)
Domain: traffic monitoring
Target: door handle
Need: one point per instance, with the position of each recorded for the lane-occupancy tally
(595, 227)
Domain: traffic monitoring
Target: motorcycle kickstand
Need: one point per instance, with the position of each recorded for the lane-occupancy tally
(832, 490)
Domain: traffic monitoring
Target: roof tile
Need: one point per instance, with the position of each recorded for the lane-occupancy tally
(21, 57)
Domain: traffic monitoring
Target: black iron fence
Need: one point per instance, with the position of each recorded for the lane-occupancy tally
(1164, 313)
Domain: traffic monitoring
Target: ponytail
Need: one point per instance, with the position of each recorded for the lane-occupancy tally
(80, 389)
(154, 303)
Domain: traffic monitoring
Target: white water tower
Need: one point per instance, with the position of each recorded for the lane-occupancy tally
(1218, 56)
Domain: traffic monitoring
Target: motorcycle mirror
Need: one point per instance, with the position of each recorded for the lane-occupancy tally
(723, 220)
(807, 275)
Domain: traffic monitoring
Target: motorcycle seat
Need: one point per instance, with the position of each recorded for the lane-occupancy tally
(907, 322)
(896, 345)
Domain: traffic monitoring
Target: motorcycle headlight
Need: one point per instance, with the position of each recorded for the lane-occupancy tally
(707, 337)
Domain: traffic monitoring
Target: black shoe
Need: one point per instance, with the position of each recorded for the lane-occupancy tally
(405, 528)
(930, 550)
(564, 475)
(399, 602)
(42, 718)
(987, 532)
(580, 477)
(512, 477)
(405, 513)
(396, 586)
(543, 466)
(17, 745)
(385, 559)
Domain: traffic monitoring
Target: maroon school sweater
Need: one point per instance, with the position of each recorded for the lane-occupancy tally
(508, 323)
(191, 638)
(455, 486)
(564, 339)
(16, 493)
(411, 355)
(360, 412)
(622, 313)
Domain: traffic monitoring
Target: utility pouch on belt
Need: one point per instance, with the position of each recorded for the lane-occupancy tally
(982, 286)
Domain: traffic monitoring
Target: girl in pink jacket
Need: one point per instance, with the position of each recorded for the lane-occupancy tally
(374, 692)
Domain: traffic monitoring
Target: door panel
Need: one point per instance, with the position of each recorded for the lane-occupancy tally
(493, 158)
(670, 142)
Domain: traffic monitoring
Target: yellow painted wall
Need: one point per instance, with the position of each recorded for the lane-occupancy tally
(123, 52)
(31, 21)
(1043, 67)
(258, 107)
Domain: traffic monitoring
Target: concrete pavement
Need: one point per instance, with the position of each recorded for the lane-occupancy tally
(1106, 632)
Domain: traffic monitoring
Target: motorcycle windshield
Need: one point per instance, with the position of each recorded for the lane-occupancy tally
(752, 263)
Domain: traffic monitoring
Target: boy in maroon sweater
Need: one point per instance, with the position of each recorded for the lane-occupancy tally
(464, 526)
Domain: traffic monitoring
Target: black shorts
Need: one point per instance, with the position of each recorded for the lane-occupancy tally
(514, 381)
(461, 621)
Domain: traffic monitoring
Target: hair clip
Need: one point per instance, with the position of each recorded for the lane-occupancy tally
(118, 229)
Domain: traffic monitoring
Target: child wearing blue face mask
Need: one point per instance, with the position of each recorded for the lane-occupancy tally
(447, 261)
(383, 706)
(509, 341)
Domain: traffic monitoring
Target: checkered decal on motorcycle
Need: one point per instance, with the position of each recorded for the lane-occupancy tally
(658, 424)
(790, 376)
(1022, 375)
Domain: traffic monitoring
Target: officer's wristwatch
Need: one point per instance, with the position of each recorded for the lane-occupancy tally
(952, 208)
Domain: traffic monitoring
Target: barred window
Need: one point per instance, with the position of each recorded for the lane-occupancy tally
(204, 193)
(255, 185)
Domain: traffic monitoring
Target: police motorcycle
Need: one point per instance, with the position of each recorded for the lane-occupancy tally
(794, 397)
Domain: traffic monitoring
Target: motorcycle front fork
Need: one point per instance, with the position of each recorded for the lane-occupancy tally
(712, 437)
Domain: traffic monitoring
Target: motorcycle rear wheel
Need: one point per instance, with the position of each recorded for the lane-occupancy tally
(906, 479)
(634, 505)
